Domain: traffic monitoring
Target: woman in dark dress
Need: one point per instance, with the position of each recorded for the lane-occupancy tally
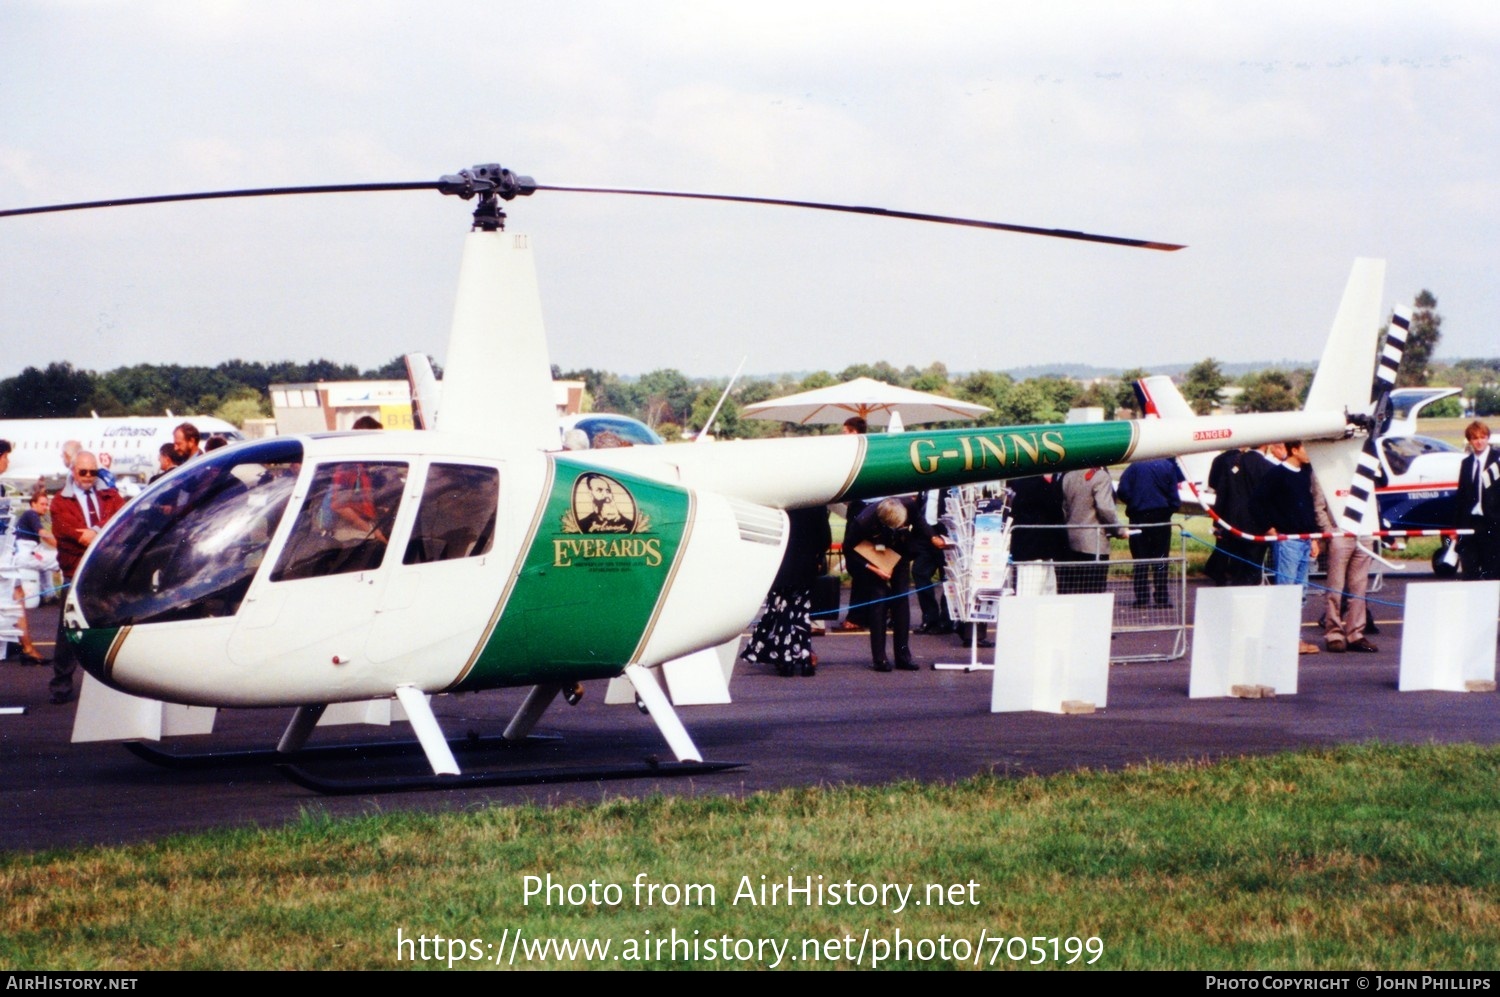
(784, 635)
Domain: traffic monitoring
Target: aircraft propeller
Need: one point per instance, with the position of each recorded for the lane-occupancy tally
(492, 183)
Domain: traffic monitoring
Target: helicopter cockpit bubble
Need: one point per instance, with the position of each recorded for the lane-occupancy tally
(190, 545)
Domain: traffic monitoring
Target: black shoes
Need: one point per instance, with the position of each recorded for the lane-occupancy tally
(902, 665)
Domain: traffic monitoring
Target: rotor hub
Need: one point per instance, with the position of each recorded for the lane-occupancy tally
(491, 183)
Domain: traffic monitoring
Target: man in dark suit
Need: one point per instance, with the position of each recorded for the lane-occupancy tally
(893, 526)
(1478, 506)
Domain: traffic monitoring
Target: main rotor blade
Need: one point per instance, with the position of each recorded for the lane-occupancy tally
(1056, 233)
(527, 186)
(216, 195)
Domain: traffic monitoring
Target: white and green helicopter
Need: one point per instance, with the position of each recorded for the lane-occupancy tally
(338, 568)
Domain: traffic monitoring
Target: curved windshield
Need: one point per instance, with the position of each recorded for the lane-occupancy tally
(626, 431)
(189, 547)
(1400, 451)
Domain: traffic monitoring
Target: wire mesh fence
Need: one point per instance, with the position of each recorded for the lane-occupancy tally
(1150, 593)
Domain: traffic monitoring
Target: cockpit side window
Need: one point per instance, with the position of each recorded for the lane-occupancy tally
(345, 523)
(457, 516)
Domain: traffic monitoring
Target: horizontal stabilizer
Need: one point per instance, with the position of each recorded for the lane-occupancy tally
(1158, 397)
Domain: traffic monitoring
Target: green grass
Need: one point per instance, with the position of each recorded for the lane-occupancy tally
(1361, 857)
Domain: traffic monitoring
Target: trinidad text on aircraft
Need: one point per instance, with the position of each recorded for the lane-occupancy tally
(307, 571)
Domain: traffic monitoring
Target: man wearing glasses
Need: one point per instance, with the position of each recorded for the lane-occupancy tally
(79, 512)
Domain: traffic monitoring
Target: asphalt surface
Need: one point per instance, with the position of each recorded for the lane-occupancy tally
(844, 725)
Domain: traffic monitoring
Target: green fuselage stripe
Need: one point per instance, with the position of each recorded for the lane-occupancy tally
(589, 584)
(905, 462)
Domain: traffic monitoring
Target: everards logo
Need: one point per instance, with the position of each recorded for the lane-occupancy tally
(607, 523)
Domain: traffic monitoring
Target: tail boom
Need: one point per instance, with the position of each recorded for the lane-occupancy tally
(789, 474)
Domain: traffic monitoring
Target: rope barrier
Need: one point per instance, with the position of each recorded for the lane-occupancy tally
(1330, 534)
(1190, 536)
(1310, 584)
(876, 602)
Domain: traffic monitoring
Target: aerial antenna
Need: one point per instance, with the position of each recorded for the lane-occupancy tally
(704, 432)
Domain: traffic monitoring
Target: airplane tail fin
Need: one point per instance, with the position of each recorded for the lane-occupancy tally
(1346, 380)
(1158, 398)
(426, 391)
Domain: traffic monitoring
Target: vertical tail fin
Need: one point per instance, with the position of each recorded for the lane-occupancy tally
(1158, 398)
(426, 392)
(1348, 366)
(1345, 378)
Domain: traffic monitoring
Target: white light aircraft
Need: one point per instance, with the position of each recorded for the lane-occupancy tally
(307, 571)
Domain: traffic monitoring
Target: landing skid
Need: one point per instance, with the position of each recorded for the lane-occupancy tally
(526, 777)
(439, 752)
(270, 756)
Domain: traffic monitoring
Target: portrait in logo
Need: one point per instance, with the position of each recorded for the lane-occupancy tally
(603, 505)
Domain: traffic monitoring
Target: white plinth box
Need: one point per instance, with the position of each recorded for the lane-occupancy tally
(1051, 650)
(1448, 642)
(1246, 636)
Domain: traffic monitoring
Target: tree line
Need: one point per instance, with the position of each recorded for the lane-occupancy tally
(235, 390)
(675, 404)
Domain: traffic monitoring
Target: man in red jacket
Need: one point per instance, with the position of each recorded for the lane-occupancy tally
(79, 513)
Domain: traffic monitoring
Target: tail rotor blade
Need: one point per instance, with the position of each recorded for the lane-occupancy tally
(1362, 487)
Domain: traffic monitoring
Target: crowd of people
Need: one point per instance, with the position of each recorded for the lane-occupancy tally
(1272, 491)
(79, 511)
(1267, 500)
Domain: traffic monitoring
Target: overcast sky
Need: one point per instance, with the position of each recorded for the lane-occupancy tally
(1278, 140)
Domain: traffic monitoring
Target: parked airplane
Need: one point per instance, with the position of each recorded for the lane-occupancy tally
(128, 445)
(1420, 472)
(308, 571)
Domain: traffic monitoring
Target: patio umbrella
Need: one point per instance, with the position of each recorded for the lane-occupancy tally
(874, 401)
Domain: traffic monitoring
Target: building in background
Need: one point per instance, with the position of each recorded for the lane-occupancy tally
(323, 406)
